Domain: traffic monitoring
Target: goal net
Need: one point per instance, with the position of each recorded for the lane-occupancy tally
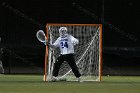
(88, 53)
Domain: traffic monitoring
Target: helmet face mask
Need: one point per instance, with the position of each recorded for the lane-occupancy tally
(63, 31)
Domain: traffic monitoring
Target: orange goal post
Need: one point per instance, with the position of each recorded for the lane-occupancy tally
(88, 53)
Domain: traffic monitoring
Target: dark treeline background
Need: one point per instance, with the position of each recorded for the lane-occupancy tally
(20, 19)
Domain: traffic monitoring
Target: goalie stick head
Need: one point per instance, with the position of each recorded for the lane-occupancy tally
(63, 31)
(41, 36)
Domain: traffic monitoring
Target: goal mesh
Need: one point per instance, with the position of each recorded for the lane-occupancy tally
(87, 52)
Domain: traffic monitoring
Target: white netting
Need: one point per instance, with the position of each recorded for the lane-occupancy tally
(87, 52)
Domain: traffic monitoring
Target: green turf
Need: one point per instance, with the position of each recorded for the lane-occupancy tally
(35, 84)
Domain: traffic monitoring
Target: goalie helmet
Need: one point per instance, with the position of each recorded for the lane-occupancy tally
(63, 31)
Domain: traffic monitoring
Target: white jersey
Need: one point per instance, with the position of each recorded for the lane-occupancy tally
(66, 44)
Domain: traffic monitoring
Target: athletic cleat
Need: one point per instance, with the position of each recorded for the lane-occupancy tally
(79, 79)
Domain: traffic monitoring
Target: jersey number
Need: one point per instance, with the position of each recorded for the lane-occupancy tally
(64, 44)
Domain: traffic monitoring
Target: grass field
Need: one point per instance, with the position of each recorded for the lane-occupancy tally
(35, 84)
